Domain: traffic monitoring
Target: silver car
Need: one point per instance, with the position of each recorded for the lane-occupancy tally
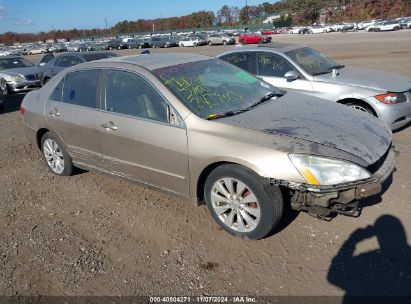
(205, 130)
(218, 38)
(303, 69)
(18, 74)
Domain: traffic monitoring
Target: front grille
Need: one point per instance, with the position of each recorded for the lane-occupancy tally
(32, 77)
(377, 165)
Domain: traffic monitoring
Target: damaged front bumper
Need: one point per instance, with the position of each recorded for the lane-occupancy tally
(323, 201)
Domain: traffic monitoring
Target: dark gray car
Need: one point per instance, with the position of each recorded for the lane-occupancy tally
(64, 61)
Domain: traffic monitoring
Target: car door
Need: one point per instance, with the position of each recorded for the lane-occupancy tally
(272, 67)
(137, 139)
(71, 112)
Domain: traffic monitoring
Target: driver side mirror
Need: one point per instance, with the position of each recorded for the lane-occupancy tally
(291, 75)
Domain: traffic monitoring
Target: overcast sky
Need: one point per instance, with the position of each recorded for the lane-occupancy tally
(31, 16)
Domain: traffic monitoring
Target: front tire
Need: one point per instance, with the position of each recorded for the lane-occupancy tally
(243, 203)
(4, 87)
(56, 157)
(361, 107)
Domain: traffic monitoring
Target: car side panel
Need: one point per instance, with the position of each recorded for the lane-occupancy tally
(145, 151)
(76, 126)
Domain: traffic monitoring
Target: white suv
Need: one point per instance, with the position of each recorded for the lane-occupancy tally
(393, 25)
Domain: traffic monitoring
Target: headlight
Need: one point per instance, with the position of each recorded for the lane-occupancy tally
(391, 98)
(325, 171)
(17, 78)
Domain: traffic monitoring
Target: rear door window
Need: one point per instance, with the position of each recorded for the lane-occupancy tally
(80, 88)
(243, 60)
(57, 94)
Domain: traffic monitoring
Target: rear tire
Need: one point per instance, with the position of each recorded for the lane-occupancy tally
(55, 156)
(253, 208)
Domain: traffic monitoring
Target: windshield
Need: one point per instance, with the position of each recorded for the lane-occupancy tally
(312, 62)
(92, 57)
(213, 87)
(15, 62)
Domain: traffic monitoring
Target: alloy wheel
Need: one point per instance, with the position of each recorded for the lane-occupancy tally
(235, 205)
(53, 155)
(361, 108)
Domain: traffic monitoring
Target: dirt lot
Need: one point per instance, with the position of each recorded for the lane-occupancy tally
(96, 235)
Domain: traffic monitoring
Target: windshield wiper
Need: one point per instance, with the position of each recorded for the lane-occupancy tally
(226, 114)
(321, 73)
(337, 67)
(266, 97)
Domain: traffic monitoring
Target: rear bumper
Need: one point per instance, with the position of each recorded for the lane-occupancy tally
(343, 198)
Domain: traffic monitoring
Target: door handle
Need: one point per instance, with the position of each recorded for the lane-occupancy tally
(109, 125)
(54, 112)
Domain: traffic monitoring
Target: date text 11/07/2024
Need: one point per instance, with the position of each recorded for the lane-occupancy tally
(203, 299)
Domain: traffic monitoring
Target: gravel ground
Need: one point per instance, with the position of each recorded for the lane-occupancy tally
(91, 234)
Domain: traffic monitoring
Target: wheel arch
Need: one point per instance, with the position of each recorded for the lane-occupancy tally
(346, 101)
(39, 135)
(202, 177)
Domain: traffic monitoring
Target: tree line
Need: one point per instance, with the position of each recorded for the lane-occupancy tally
(298, 12)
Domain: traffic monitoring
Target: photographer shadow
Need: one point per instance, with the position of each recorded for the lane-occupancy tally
(382, 272)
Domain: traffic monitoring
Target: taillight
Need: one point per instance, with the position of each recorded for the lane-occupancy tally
(22, 110)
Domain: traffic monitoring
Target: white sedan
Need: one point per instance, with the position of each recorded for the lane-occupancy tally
(319, 29)
(191, 41)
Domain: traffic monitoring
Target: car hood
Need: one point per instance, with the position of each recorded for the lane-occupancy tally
(21, 71)
(368, 78)
(320, 122)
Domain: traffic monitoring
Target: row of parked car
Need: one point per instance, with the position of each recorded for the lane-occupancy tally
(156, 41)
(243, 132)
(186, 41)
(386, 25)
(375, 25)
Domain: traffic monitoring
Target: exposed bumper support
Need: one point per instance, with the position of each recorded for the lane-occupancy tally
(322, 201)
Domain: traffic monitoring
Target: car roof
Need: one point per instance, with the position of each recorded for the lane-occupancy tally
(274, 46)
(281, 47)
(80, 54)
(158, 61)
(11, 57)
